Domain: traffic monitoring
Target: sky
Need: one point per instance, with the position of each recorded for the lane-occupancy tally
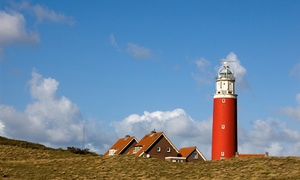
(86, 73)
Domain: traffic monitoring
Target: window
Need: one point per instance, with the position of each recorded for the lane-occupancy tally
(111, 152)
(195, 155)
(223, 100)
(168, 149)
(231, 88)
(158, 149)
(222, 153)
(223, 126)
(136, 149)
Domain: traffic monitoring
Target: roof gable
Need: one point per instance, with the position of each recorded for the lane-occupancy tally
(147, 141)
(187, 151)
(121, 144)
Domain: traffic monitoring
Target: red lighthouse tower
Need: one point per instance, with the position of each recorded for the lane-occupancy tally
(224, 129)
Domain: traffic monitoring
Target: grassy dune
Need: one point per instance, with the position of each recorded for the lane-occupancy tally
(24, 160)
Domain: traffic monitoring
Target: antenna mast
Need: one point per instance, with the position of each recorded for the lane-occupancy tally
(83, 132)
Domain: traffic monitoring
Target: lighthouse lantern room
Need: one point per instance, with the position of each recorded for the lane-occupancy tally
(224, 128)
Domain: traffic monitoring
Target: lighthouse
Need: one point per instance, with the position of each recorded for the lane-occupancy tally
(224, 125)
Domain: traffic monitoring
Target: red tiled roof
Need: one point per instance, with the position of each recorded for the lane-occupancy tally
(121, 144)
(251, 155)
(185, 152)
(147, 141)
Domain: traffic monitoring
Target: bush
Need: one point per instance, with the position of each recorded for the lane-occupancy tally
(76, 150)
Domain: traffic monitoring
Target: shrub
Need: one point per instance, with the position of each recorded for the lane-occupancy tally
(76, 150)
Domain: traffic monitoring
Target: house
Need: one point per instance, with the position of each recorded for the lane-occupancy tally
(154, 145)
(191, 154)
(122, 146)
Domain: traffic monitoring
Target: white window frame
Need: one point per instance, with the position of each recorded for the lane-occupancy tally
(168, 149)
(195, 155)
(111, 152)
(158, 149)
(136, 149)
(222, 153)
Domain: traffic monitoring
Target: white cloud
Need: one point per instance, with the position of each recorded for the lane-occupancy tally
(52, 120)
(12, 29)
(1, 53)
(292, 112)
(205, 74)
(176, 68)
(113, 42)
(275, 148)
(138, 52)
(202, 64)
(269, 136)
(13, 23)
(298, 98)
(237, 68)
(45, 14)
(295, 71)
(1, 129)
(47, 119)
(134, 50)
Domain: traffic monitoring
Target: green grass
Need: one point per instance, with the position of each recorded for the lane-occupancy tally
(25, 160)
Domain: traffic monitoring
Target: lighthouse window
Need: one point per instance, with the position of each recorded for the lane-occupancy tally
(223, 100)
(222, 153)
(223, 126)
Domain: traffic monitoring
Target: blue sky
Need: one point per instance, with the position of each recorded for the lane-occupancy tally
(127, 67)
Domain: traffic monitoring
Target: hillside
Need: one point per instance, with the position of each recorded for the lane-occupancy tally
(24, 160)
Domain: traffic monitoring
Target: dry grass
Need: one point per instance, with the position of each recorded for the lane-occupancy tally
(19, 162)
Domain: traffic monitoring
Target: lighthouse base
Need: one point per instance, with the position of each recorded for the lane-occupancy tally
(224, 135)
